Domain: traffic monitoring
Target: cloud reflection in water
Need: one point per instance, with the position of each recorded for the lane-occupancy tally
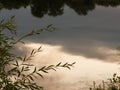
(89, 40)
(80, 76)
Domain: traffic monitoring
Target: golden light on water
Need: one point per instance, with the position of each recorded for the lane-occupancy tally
(85, 70)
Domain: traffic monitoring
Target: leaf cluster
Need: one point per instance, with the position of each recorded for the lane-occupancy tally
(15, 71)
(112, 84)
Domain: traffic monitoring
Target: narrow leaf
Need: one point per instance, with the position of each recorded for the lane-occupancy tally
(59, 64)
(40, 75)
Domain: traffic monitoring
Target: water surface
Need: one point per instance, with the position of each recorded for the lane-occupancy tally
(87, 33)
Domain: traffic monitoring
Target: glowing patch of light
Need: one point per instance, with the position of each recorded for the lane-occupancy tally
(84, 69)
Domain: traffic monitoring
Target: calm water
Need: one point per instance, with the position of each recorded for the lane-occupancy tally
(87, 33)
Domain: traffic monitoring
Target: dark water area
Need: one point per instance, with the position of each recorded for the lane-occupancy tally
(39, 8)
(87, 32)
(81, 21)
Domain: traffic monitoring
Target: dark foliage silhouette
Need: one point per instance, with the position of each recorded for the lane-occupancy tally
(15, 72)
(39, 8)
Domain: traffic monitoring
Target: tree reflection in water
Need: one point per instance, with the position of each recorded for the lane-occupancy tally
(39, 8)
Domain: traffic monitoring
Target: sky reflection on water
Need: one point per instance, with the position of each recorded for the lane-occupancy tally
(84, 72)
(78, 35)
(89, 40)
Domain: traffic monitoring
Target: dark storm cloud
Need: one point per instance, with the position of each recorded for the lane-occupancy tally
(78, 35)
